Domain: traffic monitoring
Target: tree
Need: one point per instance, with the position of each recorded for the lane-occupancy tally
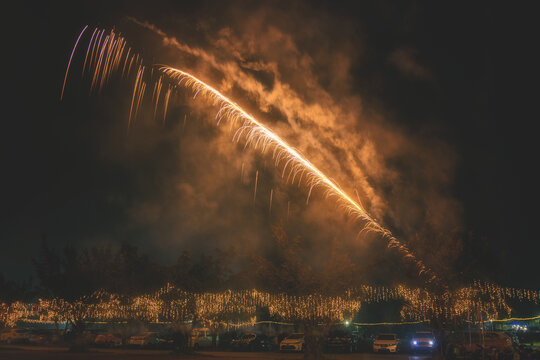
(179, 308)
(12, 291)
(303, 287)
(48, 269)
(134, 273)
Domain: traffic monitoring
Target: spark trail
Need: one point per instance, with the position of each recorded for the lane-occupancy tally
(104, 56)
(258, 135)
(69, 62)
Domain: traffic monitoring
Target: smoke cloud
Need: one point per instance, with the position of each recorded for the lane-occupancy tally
(198, 187)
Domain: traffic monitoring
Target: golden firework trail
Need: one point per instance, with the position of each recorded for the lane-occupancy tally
(255, 188)
(298, 166)
(270, 206)
(104, 56)
(288, 209)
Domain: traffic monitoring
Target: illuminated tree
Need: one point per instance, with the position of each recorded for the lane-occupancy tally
(178, 307)
(305, 292)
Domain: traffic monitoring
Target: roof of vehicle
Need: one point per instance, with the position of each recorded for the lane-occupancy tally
(464, 335)
(295, 336)
(423, 333)
(338, 331)
(144, 334)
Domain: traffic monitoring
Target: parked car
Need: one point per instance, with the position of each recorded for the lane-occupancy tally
(226, 338)
(201, 338)
(12, 336)
(253, 342)
(341, 340)
(293, 342)
(423, 341)
(43, 336)
(145, 339)
(166, 340)
(108, 339)
(386, 343)
(465, 343)
(530, 339)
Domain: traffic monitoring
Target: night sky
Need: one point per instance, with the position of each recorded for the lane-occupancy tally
(454, 83)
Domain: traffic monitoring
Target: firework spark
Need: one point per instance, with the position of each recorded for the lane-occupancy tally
(255, 188)
(69, 62)
(270, 206)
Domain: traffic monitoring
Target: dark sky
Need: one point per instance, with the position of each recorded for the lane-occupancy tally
(460, 73)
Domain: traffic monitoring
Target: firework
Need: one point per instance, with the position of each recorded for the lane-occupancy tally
(293, 163)
(104, 56)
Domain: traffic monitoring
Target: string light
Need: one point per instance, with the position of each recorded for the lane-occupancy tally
(238, 307)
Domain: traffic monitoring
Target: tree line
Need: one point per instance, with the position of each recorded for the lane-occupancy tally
(71, 272)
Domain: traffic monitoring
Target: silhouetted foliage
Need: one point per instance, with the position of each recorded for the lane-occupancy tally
(15, 291)
(76, 273)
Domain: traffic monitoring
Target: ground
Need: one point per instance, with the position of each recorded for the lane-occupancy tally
(53, 353)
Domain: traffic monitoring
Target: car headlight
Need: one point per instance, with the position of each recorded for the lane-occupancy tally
(430, 342)
(415, 342)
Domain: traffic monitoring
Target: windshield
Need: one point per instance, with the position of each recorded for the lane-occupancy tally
(248, 336)
(386, 337)
(295, 336)
(338, 333)
(466, 337)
